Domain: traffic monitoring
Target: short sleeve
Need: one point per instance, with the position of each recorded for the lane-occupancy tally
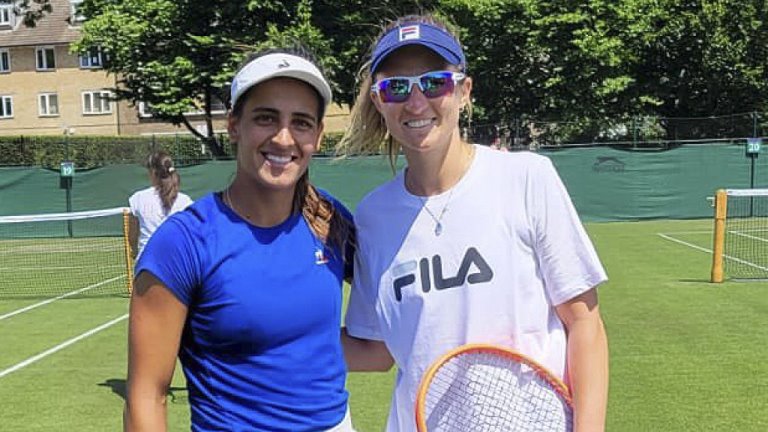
(361, 318)
(172, 256)
(568, 260)
(186, 200)
(133, 205)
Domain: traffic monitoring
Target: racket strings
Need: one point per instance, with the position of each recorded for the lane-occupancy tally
(483, 392)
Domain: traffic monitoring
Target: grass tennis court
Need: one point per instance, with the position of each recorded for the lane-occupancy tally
(686, 355)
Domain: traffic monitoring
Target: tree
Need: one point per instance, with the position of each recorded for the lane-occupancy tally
(555, 60)
(351, 27)
(707, 57)
(179, 57)
(599, 63)
(591, 64)
(31, 10)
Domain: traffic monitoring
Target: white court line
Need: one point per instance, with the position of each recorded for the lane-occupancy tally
(742, 234)
(58, 268)
(45, 302)
(738, 260)
(60, 346)
(691, 232)
(672, 239)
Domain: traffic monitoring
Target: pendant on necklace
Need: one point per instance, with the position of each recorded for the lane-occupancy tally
(438, 228)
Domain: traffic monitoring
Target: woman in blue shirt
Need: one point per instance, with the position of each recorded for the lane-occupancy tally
(245, 284)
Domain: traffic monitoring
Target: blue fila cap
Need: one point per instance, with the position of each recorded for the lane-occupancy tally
(427, 35)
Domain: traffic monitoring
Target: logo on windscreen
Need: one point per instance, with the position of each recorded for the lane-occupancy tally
(608, 164)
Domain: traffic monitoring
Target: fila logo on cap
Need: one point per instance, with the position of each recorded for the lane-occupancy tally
(409, 32)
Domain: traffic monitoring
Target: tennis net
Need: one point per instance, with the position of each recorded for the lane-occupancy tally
(65, 254)
(741, 234)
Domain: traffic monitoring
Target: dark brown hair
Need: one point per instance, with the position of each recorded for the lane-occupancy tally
(164, 178)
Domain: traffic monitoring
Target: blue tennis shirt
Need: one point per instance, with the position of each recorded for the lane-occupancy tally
(260, 348)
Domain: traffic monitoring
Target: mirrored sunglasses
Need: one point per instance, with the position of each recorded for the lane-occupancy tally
(432, 84)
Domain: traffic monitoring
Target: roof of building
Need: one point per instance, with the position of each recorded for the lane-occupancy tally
(52, 29)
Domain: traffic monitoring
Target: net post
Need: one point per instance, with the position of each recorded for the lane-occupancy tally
(128, 252)
(721, 206)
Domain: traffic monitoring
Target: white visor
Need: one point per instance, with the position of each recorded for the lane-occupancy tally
(279, 65)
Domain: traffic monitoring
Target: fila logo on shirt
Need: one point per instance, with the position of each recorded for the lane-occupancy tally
(431, 272)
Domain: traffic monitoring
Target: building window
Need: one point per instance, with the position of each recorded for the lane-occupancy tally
(46, 58)
(145, 110)
(74, 5)
(6, 15)
(97, 102)
(217, 107)
(91, 59)
(48, 104)
(6, 107)
(5, 60)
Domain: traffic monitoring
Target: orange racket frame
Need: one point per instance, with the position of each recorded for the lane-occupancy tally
(421, 396)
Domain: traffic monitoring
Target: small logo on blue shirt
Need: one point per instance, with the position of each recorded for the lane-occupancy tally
(320, 258)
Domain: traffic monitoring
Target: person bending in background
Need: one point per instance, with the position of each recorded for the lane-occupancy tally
(530, 271)
(151, 206)
(245, 286)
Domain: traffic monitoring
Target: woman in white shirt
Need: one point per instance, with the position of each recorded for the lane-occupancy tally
(442, 259)
(151, 206)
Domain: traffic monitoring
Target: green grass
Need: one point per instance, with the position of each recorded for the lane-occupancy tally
(686, 355)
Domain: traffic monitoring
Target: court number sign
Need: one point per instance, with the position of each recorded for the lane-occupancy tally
(753, 145)
(67, 169)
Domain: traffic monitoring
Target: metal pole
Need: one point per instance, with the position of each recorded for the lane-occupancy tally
(68, 189)
(634, 132)
(752, 168)
(754, 124)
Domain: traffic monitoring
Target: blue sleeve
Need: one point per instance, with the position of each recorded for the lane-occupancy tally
(172, 256)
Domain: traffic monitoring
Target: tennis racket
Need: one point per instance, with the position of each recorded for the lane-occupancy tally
(485, 388)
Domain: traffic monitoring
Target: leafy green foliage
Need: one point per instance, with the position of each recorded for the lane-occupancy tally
(593, 63)
(351, 28)
(90, 151)
(589, 64)
(179, 57)
(705, 57)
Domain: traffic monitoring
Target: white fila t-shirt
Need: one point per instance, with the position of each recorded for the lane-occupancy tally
(147, 207)
(511, 248)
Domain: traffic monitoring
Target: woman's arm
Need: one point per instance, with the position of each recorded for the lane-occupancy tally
(587, 359)
(364, 355)
(154, 333)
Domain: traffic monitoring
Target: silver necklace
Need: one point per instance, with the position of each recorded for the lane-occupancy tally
(438, 219)
(228, 200)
